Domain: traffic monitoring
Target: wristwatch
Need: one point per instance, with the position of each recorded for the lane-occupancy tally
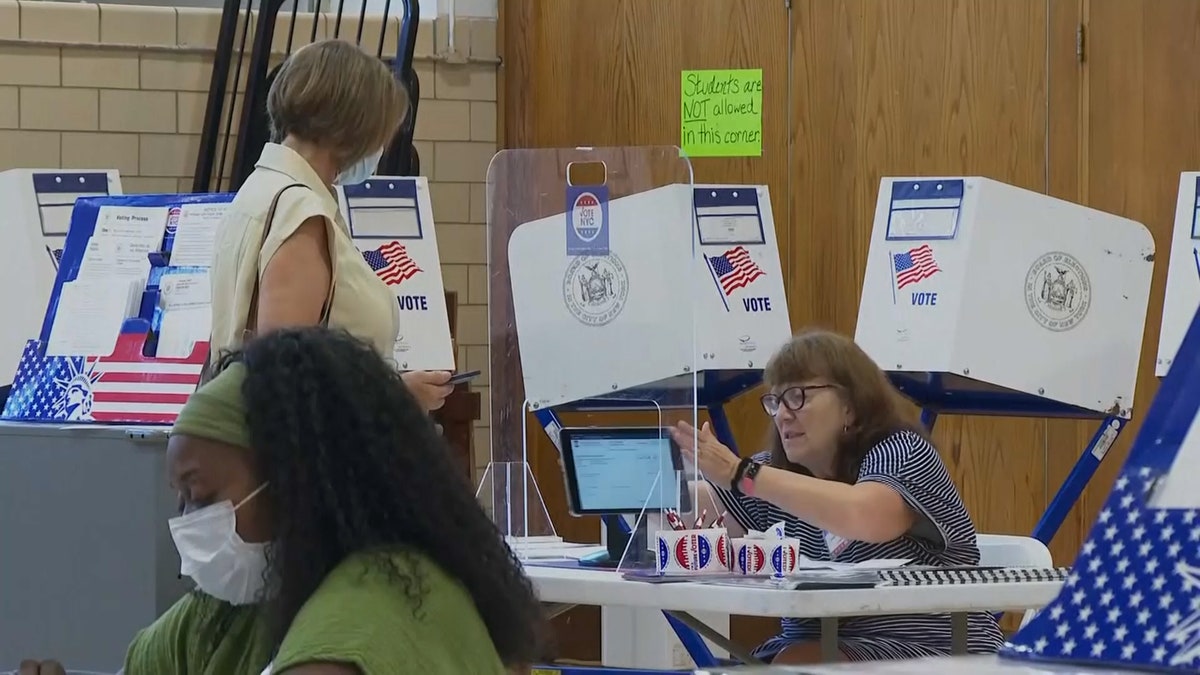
(743, 478)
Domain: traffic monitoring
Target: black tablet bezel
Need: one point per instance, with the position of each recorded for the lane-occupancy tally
(571, 479)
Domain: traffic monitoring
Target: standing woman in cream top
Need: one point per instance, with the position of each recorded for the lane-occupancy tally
(283, 254)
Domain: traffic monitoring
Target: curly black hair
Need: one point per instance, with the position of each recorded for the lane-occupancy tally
(353, 464)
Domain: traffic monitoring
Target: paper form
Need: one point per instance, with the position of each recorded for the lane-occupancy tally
(122, 240)
(90, 314)
(186, 302)
(881, 564)
(196, 234)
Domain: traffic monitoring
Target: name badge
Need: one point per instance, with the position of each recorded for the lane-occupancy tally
(835, 544)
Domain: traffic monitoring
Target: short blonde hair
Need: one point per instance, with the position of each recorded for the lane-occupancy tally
(333, 94)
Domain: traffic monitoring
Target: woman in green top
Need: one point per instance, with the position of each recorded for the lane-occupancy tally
(327, 530)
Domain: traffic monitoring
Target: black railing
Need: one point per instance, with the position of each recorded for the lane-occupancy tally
(252, 129)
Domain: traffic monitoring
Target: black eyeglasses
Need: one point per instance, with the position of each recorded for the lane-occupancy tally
(793, 398)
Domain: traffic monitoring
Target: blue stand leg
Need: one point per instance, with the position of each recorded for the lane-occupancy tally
(721, 428)
(1064, 500)
(695, 645)
(928, 418)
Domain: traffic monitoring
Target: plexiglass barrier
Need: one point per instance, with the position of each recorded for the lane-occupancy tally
(591, 265)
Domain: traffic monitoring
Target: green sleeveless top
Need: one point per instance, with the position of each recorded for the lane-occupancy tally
(358, 616)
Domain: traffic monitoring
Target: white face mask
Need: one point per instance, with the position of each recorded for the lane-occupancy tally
(215, 557)
(360, 171)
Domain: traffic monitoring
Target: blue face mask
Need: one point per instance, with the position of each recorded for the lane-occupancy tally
(360, 171)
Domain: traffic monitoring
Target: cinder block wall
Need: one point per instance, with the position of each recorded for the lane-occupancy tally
(86, 85)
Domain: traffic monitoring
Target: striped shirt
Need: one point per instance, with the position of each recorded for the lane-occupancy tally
(944, 536)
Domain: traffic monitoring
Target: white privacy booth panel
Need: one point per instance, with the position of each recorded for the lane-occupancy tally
(739, 252)
(391, 222)
(645, 293)
(572, 312)
(1183, 273)
(1003, 288)
(38, 203)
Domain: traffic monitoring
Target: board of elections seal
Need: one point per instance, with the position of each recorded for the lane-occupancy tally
(595, 289)
(1058, 292)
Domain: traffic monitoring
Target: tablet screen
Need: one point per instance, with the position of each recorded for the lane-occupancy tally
(622, 470)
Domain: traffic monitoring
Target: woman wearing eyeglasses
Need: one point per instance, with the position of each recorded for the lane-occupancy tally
(854, 480)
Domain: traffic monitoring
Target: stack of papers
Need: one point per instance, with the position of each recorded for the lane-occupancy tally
(185, 301)
(108, 286)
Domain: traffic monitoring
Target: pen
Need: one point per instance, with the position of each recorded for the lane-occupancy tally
(674, 521)
(720, 519)
(700, 520)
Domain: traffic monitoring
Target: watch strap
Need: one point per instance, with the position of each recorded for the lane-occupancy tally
(746, 484)
(744, 467)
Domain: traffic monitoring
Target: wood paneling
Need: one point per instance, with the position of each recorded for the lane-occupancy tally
(1142, 131)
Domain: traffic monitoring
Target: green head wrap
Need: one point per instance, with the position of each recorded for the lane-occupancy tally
(216, 411)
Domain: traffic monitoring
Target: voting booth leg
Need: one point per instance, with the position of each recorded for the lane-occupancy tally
(1077, 481)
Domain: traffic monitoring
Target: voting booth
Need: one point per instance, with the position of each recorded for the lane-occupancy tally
(38, 205)
(983, 298)
(1183, 273)
(621, 290)
(1133, 597)
(391, 222)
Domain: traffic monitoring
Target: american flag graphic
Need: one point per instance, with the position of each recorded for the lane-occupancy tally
(56, 254)
(391, 263)
(914, 265)
(125, 387)
(1133, 596)
(735, 269)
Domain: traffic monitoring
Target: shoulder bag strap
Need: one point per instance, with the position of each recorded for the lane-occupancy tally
(252, 314)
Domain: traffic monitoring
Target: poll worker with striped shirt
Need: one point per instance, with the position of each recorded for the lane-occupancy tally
(853, 479)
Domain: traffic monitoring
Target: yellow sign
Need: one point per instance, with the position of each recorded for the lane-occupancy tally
(722, 113)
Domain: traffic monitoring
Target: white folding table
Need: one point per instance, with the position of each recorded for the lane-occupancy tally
(567, 587)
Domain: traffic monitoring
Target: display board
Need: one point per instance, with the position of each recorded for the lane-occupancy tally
(391, 222)
(38, 205)
(1183, 273)
(124, 337)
